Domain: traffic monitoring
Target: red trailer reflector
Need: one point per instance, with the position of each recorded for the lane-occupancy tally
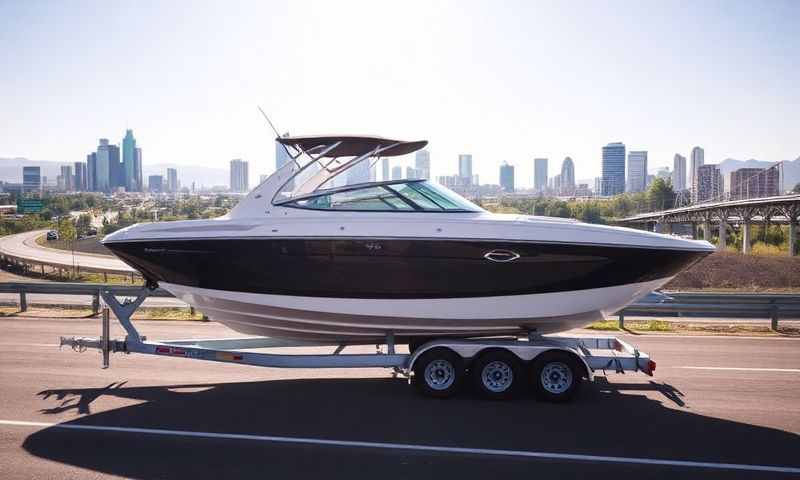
(651, 367)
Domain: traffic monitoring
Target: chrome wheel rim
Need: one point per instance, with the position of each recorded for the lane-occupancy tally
(497, 376)
(440, 374)
(556, 377)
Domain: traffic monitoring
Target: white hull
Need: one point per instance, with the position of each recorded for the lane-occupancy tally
(346, 319)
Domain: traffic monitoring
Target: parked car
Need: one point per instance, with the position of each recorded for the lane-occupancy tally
(52, 235)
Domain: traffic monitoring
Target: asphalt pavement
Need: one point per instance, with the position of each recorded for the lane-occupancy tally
(718, 407)
(23, 245)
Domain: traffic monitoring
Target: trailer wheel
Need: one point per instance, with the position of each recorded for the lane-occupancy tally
(497, 374)
(556, 376)
(438, 373)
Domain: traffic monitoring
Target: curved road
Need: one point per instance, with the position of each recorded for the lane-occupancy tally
(24, 247)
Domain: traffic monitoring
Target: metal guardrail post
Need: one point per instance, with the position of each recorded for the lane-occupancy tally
(105, 340)
(621, 321)
(23, 301)
(96, 303)
(774, 316)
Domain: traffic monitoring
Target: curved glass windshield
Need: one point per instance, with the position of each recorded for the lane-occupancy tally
(393, 196)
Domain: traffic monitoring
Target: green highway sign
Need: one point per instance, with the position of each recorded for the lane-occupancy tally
(29, 205)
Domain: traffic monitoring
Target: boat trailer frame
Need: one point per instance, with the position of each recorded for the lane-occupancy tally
(596, 353)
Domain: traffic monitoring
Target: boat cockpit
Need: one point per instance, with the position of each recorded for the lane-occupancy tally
(389, 196)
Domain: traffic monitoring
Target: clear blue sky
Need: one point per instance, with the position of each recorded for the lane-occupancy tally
(505, 81)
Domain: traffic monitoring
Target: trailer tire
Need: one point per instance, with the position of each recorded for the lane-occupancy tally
(497, 374)
(556, 376)
(438, 373)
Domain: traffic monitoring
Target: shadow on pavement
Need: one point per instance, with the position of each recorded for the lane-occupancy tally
(607, 419)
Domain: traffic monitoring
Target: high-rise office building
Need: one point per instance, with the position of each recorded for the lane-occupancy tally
(65, 180)
(613, 179)
(129, 162)
(397, 172)
(465, 168)
(91, 172)
(172, 180)
(696, 161)
(637, 171)
(507, 177)
(358, 173)
(80, 177)
(239, 176)
(539, 174)
(385, 169)
(31, 180)
(679, 173)
(422, 164)
(103, 166)
(707, 184)
(137, 165)
(116, 169)
(155, 184)
(754, 183)
(567, 184)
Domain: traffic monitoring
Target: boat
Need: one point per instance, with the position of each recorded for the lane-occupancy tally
(318, 252)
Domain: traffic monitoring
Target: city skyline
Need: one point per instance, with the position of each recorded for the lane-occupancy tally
(214, 96)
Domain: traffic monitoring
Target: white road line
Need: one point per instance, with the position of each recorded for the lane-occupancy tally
(746, 369)
(412, 447)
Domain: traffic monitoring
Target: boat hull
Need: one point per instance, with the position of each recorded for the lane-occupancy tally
(327, 319)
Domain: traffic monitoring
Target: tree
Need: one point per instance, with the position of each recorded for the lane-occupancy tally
(66, 229)
(660, 195)
(83, 224)
(796, 188)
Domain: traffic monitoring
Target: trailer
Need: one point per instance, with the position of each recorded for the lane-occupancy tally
(553, 366)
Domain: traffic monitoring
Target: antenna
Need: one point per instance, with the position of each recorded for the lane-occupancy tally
(270, 122)
(277, 135)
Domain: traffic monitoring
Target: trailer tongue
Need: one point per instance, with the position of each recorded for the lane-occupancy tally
(555, 366)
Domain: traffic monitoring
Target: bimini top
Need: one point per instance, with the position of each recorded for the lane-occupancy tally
(351, 146)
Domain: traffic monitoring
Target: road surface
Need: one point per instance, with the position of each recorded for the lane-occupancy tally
(714, 401)
(24, 246)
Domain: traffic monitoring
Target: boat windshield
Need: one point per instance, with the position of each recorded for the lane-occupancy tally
(407, 195)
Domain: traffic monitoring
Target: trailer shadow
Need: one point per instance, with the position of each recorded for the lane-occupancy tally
(608, 419)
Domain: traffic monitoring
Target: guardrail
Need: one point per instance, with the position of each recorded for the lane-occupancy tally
(770, 306)
(87, 289)
(723, 305)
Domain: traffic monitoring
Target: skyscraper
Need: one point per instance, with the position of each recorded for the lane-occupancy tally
(637, 171)
(707, 184)
(679, 173)
(358, 173)
(137, 165)
(116, 168)
(754, 183)
(385, 168)
(507, 177)
(397, 173)
(239, 176)
(422, 164)
(80, 177)
(539, 174)
(65, 180)
(91, 172)
(567, 186)
(697, 160)
(31, 180)
(129, 161)
(465, 168)
(613, 180)
(103, 166)
(172, 180)
(155, 183)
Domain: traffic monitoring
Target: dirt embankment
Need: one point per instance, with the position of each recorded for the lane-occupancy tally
(731, 271)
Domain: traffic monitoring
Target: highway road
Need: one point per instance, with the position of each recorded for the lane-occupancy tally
(23, 245)
(718, 407)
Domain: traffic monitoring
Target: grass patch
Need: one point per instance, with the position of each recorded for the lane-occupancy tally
(604, 325)
(633, 325)
(168, 313)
